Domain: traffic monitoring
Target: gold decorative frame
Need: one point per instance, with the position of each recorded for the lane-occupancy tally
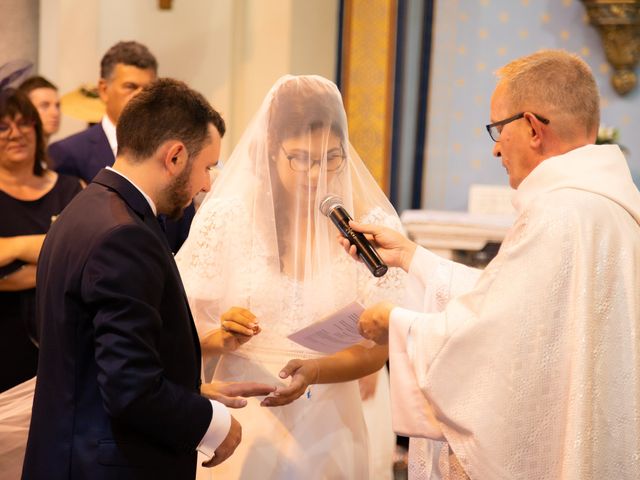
(368, 72)
(618, 22)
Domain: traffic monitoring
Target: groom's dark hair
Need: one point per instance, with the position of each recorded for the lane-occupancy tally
(166, 109)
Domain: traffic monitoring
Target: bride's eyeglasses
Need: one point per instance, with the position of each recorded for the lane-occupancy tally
(302, 161)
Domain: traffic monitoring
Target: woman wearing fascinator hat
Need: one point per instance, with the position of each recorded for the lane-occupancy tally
(31, 196)
(261, 261)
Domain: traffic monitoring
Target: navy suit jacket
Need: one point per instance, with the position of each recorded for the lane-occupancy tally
(117, 392)
(86, 153)
(83, 154)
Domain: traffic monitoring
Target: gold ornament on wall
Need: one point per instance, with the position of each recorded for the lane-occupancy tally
(618, 22)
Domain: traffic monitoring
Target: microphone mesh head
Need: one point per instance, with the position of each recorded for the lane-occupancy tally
(328, 203)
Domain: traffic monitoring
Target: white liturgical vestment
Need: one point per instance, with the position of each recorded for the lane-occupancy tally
(534, 371)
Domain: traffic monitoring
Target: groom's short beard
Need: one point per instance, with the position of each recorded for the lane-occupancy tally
(177, 195)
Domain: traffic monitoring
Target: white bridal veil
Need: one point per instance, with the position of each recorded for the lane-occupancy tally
(259, 240)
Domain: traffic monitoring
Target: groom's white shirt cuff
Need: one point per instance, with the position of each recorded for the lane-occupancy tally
(217, 431)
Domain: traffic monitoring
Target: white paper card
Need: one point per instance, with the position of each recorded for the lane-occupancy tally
(333, 333)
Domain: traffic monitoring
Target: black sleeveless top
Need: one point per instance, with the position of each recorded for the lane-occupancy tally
(18, 355)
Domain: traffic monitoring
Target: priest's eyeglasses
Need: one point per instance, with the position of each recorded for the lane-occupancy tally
(22, 125)
(495, 129)
(302, 161)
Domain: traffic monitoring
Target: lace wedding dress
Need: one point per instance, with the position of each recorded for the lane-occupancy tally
(260, 242)
(321, 435)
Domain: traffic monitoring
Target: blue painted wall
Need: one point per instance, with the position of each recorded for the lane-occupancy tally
(472, 39)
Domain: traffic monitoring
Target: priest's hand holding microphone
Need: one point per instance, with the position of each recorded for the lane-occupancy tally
(378, 247)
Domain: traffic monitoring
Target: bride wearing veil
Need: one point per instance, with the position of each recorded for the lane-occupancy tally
(261, 262)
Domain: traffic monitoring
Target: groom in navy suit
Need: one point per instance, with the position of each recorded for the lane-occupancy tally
(118, 384)
(125, 69)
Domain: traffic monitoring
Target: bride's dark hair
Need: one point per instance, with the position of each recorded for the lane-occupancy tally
(300, 105)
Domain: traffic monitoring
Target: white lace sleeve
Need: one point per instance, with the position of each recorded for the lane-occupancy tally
(433, 281)
(215, 237)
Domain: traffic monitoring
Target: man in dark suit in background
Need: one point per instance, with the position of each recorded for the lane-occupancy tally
(125, 69)
(118, 385)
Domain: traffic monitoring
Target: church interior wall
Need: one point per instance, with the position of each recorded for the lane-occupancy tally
(471, 40)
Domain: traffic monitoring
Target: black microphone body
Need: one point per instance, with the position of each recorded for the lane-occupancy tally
(331, 207)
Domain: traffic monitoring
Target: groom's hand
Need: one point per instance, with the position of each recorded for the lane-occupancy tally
(228, 445)
(231, 393)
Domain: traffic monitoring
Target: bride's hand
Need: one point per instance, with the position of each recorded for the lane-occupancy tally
(237, 326)
(303, 373)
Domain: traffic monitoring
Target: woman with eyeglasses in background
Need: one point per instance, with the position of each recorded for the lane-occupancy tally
(31, 197)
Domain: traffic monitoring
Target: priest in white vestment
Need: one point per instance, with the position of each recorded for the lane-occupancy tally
(531, 368)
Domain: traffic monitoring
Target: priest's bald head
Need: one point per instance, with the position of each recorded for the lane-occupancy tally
(545, 104)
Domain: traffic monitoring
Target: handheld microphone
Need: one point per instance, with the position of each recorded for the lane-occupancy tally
(331, 206)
